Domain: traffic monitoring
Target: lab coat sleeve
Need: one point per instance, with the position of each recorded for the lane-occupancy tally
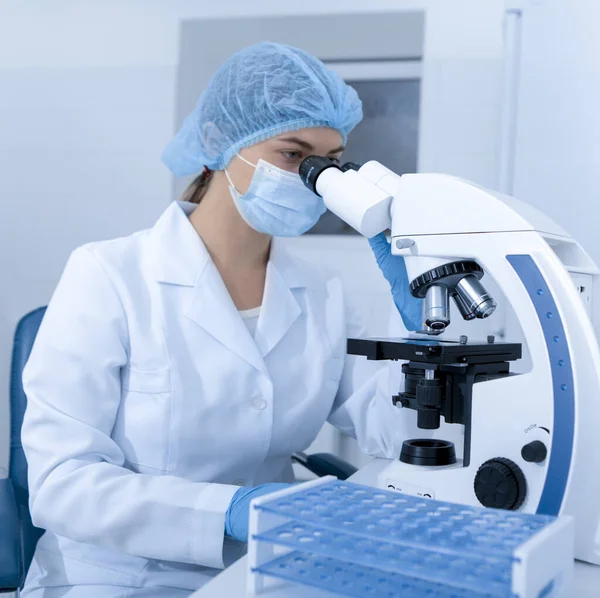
(363, 405)
(79, 487)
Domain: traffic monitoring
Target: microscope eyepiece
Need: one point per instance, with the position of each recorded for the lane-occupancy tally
(312, 167)
(350, 166)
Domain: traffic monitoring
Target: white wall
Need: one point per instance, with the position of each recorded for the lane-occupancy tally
(87, 104)
(558, 126)
(81, 124)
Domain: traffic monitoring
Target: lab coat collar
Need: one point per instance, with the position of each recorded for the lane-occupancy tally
(280, 308)
(179, 255)
(181, 258)
(178, 252)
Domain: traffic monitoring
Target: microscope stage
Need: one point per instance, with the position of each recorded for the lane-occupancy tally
(433, 351)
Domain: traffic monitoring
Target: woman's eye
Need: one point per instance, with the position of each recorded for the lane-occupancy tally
(292, 155)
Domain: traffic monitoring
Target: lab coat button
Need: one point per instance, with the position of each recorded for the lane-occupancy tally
(259, 404)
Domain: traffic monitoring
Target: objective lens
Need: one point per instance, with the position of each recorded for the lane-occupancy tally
(437, 307)
(475, 297)
(463, 308)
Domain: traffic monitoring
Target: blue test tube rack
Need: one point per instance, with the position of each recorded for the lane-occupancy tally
(352, 540)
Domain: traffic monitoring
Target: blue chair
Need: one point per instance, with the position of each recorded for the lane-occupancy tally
(19, 536)
(17, 546)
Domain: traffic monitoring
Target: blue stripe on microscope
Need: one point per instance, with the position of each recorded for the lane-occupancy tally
(562, 382)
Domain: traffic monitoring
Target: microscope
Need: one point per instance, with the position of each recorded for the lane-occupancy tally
(528, 437)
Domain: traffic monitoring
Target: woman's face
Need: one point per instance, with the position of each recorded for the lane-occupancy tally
(285, 151)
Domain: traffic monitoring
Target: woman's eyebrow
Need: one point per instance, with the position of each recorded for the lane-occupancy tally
(304, 144)
(338, 150)
(307, 146)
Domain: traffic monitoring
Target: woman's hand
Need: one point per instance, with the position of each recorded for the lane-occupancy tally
(238, 512)
(394, 271)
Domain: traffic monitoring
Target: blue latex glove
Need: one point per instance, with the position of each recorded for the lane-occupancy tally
(238, 512)
(394, 271)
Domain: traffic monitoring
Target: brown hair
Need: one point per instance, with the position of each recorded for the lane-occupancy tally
(197, 189)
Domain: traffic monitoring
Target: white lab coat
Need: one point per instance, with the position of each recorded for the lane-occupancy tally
(149, 403)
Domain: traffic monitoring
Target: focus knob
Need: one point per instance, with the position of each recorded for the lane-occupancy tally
(500, 484)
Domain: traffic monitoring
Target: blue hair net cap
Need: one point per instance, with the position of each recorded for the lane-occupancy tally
(258, 93)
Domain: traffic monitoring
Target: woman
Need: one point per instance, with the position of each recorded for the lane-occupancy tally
(176, 370)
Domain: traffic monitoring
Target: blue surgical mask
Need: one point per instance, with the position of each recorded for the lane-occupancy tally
(277, 203)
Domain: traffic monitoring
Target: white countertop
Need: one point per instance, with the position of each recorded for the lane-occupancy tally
(232, 582)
